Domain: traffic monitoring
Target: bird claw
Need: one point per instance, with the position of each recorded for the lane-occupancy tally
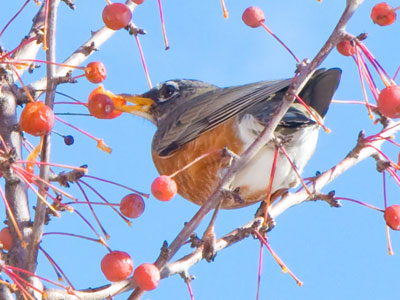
(209, 246)
(269, 222)
(233, 195)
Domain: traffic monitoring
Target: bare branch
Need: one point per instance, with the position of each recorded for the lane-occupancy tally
(326, 177)
(40, 212)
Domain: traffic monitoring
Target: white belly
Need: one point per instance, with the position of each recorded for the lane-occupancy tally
(254, 177)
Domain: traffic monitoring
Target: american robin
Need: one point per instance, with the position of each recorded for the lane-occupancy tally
(194, 118)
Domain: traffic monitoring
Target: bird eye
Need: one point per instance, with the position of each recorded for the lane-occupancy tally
(168, 90)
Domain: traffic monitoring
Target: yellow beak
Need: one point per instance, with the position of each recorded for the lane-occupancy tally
(141, 105)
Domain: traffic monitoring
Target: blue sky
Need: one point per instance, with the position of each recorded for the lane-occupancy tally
(337, 253)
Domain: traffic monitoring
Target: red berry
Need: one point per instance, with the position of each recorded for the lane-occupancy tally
(117, 266)
(346, 48)
(392, 216)
(253, 16)
(147, 276)
(116, 16)
(100, 106)
(36, 118)
(118, 100)
(383, 14)
(95, 72)
(138, 1)
(389, 101)
(164, 188)
(132, 206)
(6, 238)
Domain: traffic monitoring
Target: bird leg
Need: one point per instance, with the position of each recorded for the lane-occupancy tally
(262, 211)
(209, 237)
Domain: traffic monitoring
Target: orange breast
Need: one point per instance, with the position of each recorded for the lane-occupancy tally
(198, 181)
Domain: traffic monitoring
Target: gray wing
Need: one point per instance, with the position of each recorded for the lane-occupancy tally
(210, 109)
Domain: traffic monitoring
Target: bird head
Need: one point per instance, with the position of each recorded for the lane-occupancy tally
(157, 103)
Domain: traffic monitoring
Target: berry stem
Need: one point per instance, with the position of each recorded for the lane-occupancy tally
(194, 161)
(190, 289)
(295, 169)
(392, 163)
(280, 41)
(277, 259)
(73, 235)
(23, 43)
(106, 202)
(360, 72)
(381, 71)
(94, 203)
(16, 280)
(28, 94)
(78, 76)
(395, 8)
(315, 117)
(390, 249)
(26, 173)
(260, 261)
(13, 18)
(394, 143)
(66, 102)
(13, 268)
(224, 10)
(397, 72)
(143, 61)
(394, 175)
(384, 189)
(353, 102)
(22, 60)
(46, 24)
(57, 268)
(11, 215)
(92, 211)
(367, 75)
(100, 143)
(163, 25)
(53, 165)
(271, 180)
(118, 184)
(359, 202)
(40, 196)
(101, 240)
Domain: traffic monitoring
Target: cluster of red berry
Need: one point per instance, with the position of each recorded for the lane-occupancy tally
(118, 265)
(389, 98)
(38, 119)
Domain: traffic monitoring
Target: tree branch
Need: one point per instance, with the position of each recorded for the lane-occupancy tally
(40, 211)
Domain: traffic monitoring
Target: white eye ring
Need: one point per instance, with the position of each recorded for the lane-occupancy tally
(167, 90)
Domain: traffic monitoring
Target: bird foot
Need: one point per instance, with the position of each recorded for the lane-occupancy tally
(269, 222)
(233, 195)
(209, 244)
